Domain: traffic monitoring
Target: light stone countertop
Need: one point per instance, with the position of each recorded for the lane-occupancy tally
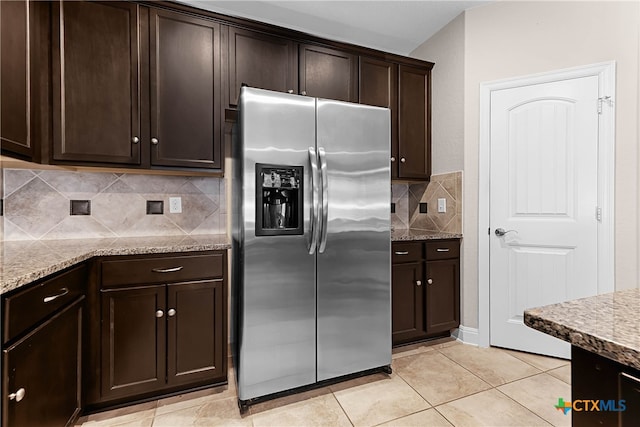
(608, 324)
(411, 234)
(23, 262)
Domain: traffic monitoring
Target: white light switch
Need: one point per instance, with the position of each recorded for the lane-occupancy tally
(442, 205)
(175, 204)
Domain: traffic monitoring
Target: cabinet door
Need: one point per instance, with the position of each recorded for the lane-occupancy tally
(133, 341)
(442, 295)
(414, 128)
(328, 73)
(407, 302)
(261, 61)
(96, 103)
(195, 328)
(185, 91)
(379, 87)
(46, 365)
(15, 77)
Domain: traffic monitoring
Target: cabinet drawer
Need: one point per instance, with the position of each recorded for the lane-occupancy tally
(128, 271)
(442, 249)
(406, 252)
(25, 309)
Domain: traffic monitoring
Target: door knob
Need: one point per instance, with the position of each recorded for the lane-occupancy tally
(171, 312)
(430, 281)
(135, 139)
(159, 313)
(393, 159)
(154, 141)
(418, 282)
(501, 232)
(402, 160)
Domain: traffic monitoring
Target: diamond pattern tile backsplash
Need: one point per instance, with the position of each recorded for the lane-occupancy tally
(37, 204)
(407, 198)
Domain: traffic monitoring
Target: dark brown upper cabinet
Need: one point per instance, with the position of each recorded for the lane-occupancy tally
(21, 63)
(135, 86)
(185, 91)
(413, 155)
(96, 82)
(261, 61)
(328, 73)
(379, 87)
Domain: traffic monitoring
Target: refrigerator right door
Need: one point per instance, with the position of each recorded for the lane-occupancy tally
(353, 261)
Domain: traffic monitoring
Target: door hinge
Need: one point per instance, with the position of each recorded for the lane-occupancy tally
(598, 213)
(604, 100)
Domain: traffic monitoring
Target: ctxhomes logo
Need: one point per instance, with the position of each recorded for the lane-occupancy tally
(591, 405)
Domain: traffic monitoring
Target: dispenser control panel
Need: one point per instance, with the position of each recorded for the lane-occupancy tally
(279, 200)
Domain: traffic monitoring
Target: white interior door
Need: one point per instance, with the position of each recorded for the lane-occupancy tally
(544, 187)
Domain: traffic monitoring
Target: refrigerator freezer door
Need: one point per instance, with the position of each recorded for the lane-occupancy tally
(276, 299)
(354, 270)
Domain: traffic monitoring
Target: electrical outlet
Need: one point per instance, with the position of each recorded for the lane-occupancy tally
(175, 204)
(442, 205)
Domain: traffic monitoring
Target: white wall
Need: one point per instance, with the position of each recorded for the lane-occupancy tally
(513, 38)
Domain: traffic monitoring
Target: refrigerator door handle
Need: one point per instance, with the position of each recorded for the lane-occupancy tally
(325, 200)
(315, 215)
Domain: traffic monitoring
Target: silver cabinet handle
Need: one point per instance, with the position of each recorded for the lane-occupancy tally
(154, 141)
(419, 282)
(159, 313)
(167, 270)
(325, 200)
(393, 159)
(290, 91)
(304, 92)
(18, 395)
(402, 252)
(315, 214)
(501, 232)
(430, 281)
(402, 160)
(171, 312)
(442, 250)
(135, 139)
(63, 292)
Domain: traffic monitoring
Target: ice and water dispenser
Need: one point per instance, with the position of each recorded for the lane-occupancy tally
(279, 200)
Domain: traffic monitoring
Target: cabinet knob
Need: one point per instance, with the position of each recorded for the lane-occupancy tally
(171, 312)
(418, 282)
(159, 313)
(393, 159)
(154, 141)
(290, 91)
(18, 395)
(430, 281)
(304, 92)
(402, 160)
(135, 139)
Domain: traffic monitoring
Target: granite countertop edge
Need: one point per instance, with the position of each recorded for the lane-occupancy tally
(536, 318)
(10, 281)
(412, 234)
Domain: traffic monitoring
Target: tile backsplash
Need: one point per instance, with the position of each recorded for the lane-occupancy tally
(407, 199)
(37, 204)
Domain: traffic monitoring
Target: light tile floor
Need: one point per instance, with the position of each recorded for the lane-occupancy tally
(443, 383)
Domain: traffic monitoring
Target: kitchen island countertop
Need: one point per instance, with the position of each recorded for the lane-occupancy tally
(412, 234)
(23, 262)
(608, 324)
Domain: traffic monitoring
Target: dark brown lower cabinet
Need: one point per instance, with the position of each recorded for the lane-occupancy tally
(160, 336)
(425, 287)
(42, 372)
(407, 301)
(616, 387)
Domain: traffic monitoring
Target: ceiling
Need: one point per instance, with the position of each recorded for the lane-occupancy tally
(392, 26)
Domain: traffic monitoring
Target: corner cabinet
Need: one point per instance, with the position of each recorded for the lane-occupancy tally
(425, 289)
(406, 90)
(163, 326)
(42, 351)
(135, 86)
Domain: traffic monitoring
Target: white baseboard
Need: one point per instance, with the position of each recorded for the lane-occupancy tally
(466, 335)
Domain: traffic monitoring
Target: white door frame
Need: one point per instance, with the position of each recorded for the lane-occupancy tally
(606, 72)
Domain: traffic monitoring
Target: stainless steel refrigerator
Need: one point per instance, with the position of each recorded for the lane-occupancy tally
(311, 241)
